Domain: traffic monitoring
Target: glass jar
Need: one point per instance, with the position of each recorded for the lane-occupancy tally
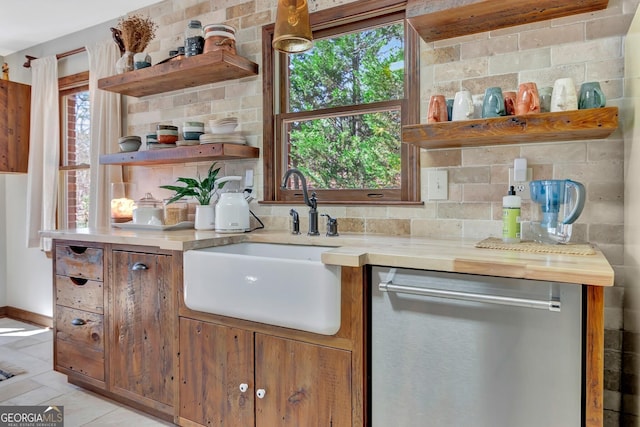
(122, 201)
(193, 38)
(148, 210)
(176, 212)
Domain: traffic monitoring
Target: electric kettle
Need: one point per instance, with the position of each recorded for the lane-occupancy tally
(232, 208)
(561, 202)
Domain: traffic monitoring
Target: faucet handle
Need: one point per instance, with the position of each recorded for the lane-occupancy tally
(332, 226)
(296, 221)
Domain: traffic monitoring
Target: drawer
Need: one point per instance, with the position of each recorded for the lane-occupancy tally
(72, 357)
(89, 334)
(79, 261)
(83, 294)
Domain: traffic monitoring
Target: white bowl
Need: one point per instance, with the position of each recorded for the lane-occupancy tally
(127, 145)
(228, 128)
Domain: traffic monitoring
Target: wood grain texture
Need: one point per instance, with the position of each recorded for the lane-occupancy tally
(594, 123)
(193, 153)
(445, 19)
(214, 361)
(80, 293)
(184, 73)
(305, 384)
(142, 328)
(594, 375)
(79, 261)
(88, 335)
(72, 359)
(15, 119)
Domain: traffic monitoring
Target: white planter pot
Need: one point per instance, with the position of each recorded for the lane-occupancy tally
(205, 216)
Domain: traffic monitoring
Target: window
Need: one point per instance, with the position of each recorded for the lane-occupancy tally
(336, 111)
(75, 154)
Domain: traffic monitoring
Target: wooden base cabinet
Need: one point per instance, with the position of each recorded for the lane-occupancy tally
(142, 328)
(120, 339)
(235, 377)
(79, 347)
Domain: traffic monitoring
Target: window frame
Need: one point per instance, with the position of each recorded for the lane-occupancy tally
(351, 17)
(66, 86)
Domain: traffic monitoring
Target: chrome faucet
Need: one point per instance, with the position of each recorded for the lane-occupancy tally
(311, 202)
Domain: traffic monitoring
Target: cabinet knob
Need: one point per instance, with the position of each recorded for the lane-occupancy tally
(260, 393)
(139, 266)
(78, 322)
(244, 387)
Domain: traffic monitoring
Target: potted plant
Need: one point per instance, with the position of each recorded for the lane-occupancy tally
(203, 190)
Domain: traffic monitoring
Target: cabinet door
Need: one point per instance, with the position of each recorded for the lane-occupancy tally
(304, 384)
(214, 362)
(141, 352)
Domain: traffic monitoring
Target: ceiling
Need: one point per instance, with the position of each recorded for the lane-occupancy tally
(26, 23)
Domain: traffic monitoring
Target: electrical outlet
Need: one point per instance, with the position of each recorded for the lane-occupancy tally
(521, 187)
(437, 185)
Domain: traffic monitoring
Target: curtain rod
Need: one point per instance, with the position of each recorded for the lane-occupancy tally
(58, 56)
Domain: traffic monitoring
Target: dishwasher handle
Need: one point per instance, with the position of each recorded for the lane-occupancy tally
(551, 304)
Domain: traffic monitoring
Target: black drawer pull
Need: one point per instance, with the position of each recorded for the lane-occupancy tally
(79, 281)
(78, 249)
(139, 266)
(78, 322)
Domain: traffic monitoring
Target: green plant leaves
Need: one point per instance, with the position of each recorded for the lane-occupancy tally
(203, 189)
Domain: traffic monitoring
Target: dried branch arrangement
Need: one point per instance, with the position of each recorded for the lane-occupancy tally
(136, 32)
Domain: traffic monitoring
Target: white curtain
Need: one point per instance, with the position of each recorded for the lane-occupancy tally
(44, 151)
(105, 130)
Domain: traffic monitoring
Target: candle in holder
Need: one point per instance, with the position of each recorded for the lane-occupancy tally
(122, 201)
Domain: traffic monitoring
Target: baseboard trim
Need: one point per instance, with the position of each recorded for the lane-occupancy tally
(26, 316)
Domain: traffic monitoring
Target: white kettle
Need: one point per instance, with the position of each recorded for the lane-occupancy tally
(232, 208)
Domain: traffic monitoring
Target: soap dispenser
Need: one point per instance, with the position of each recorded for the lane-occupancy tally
(511, 217)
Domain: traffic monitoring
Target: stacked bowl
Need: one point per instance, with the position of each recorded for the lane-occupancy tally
(223, 131)
(192, 130)
(167, 134)
(129, 143)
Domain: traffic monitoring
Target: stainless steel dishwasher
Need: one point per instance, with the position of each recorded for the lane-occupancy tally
(465, 350)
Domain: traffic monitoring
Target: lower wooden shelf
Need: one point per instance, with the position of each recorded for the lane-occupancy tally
(185, 154)
(595, 123)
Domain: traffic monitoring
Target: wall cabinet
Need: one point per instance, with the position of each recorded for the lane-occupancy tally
(15, 107)
(235, 377)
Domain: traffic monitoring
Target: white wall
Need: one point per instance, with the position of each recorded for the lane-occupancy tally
(29, 272)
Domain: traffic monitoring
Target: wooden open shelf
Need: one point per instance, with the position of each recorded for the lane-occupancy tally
(185, 154)
(573, 125)
(445, 19)
(179, 74)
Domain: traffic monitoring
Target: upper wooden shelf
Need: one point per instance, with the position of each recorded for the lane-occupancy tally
(594, 123)
(445, 19)
(185, 154)
(179, 74)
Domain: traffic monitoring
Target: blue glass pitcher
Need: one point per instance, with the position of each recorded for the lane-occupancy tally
(561, 202)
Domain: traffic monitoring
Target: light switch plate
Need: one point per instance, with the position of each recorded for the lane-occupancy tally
(437, 185)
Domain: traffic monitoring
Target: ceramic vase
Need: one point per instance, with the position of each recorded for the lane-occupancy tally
(205, 215)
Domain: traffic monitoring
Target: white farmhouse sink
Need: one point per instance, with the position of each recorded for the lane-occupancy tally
(283, 285)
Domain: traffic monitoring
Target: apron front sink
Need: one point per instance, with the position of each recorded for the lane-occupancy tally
(282, 285)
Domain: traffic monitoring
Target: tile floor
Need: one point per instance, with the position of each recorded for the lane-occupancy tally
(31, 348)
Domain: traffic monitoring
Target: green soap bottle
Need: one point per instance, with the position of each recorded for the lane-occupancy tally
(511, 216)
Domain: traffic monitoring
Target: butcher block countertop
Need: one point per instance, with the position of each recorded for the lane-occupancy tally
(355, 250)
